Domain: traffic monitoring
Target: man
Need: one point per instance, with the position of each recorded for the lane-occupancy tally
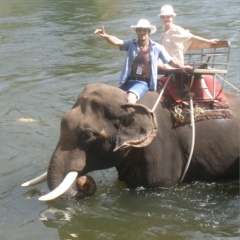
(139, 73)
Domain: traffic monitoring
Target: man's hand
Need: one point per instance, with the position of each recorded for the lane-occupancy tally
(100, 31)
(173, 65)
(109, 38)
(186, 68)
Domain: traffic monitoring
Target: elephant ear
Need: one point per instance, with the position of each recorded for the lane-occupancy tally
(138, 127)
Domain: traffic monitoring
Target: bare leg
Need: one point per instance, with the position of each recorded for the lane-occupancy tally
(131, 97)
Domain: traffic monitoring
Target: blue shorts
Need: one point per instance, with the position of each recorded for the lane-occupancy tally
(135, 86)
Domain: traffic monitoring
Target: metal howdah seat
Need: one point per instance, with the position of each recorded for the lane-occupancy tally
(210, 61)
(205, 82)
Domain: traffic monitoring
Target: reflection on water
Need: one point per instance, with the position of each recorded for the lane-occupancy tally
(48, 54)
(118, 213)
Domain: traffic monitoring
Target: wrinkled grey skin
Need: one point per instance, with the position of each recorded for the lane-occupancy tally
(99, 127)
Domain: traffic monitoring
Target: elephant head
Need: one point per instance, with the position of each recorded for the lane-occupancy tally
(95, 134)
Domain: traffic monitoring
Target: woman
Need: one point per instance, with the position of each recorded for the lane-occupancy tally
(174, 38)
(177, 40)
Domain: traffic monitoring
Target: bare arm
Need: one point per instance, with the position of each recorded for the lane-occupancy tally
(109, 38)
(173, 65)
(184, 68)
(197, 39)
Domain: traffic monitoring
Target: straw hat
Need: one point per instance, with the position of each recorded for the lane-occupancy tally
(167, 10)
(143, 23)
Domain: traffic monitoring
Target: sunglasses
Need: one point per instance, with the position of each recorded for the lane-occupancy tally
(142, 30)
(166, 16)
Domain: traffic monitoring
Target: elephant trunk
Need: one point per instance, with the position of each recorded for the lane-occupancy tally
(61, 176)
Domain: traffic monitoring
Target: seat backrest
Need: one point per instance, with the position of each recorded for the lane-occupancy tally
(214, 55)
(209, 59)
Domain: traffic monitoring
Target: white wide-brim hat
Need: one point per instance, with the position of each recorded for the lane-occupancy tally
(143, 23)
(167, 10)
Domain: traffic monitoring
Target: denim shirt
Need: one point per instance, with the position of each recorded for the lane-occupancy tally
(156, 51)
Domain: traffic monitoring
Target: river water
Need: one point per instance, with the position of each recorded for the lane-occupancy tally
(48, 54)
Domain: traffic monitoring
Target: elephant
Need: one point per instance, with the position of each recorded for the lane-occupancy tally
(103, 131)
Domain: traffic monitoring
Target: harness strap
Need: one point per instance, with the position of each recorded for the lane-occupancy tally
(193, 139)
(192, 124)
(161, 93)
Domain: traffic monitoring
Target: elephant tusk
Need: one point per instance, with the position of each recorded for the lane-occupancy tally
(62, 188)
(36, 180)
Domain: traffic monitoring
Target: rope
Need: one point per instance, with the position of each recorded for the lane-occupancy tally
(193, 139)
(192, 124)
(225, 80)
(161, 93)
(178, 112)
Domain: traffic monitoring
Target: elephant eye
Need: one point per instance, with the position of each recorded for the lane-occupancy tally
(84, 135)
(87, 135)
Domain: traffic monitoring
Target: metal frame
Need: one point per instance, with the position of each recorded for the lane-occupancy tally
(209, 59)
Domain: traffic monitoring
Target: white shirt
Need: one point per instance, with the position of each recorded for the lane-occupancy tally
(176, 41)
